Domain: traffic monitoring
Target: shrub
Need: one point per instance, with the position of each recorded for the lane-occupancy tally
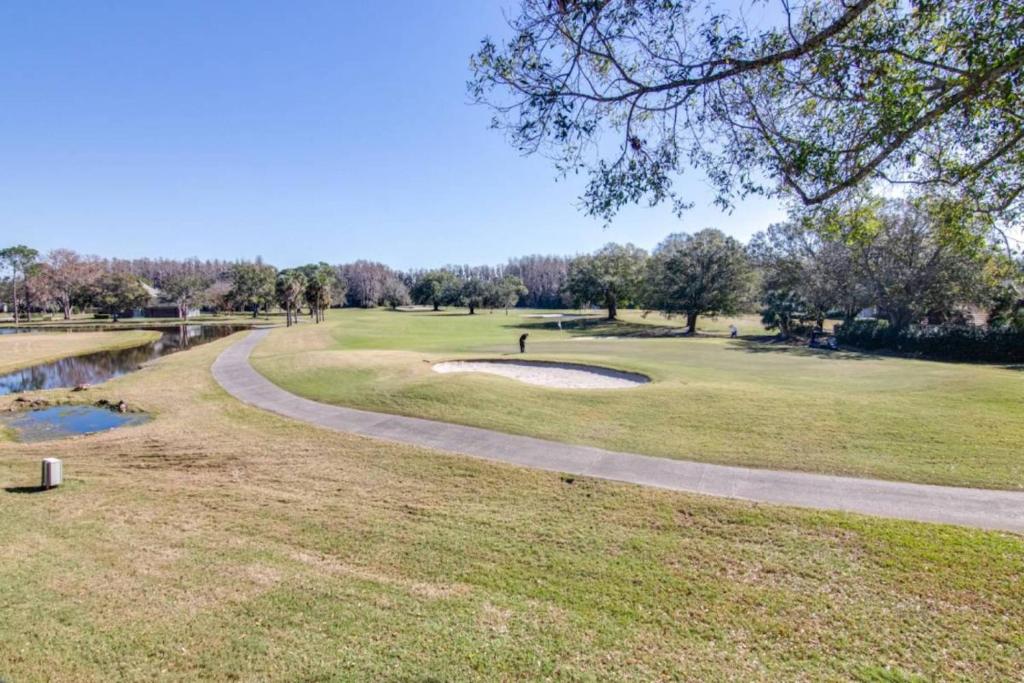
(948, 342)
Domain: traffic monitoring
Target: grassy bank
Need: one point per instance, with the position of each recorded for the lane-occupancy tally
(744, 401)
(220, 542)
(86, 321)
(25, 350)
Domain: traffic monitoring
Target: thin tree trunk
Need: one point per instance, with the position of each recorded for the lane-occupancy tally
(14, 281)
(613, 307)
(691, 323)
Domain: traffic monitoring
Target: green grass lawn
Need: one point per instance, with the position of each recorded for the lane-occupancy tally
(743, 401)
(219, 542)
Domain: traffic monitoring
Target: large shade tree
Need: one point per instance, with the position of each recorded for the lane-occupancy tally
(700, 274)
(70, 276)
(506, 292)
(804, 276)
(395, 293)
(911, 269)
(809, 99)
(436, 288)
(475, 292)
(252, 286)
(610, 277)
(116, 293)
(185, 288)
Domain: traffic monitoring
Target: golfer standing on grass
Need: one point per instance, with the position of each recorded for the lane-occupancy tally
(522, 342)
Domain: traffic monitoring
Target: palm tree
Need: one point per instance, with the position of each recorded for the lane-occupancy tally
(291, 285)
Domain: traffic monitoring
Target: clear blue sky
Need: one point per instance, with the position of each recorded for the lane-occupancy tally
(298, 131)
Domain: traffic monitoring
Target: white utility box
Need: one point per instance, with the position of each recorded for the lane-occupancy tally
(53, 472)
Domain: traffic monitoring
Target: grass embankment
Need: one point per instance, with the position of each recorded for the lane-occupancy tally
(220, 542)
(25, 350)
(714, 399)
(86, 321)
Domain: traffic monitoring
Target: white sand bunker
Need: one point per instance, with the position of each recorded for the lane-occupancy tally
(552, 375)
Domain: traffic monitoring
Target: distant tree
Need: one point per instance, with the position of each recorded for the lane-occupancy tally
(700, 274)
(70, 276)
(610, 277)
(290, 289)
(474, 293)
(436, 288)
(116, 293)
(319, 288)
(252, 286)
(185, 289)
(39, 293)
(218, 295)
(339, 286)
(910, 268)
(805, 273)
(365, 281)
(395, 293)
(544, 278)
(157, 271)
(781, 309)
(506, 292)
(20, 259)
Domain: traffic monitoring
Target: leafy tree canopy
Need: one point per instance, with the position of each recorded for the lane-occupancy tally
(703, 273)
(436, 288)
(809, 99)
(117, 293)
(252, 285)
(611, 277)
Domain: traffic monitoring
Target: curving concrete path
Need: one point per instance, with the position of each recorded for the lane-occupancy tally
(987, 509)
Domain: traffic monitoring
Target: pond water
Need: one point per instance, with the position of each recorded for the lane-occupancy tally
(62, 421)
(95, 368)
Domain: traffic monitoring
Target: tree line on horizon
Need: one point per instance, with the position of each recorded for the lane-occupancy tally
(899, 258)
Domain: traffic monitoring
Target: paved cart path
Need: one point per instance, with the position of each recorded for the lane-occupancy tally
(981, 508)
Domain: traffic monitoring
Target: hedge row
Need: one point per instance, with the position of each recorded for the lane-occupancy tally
(949, 342)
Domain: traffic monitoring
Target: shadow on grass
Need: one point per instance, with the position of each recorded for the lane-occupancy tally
(773, 345)
(767, 345)
(601, 327)
(427, 311)
(24, 489)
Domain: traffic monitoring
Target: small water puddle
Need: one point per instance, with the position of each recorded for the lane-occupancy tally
(59, 422)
